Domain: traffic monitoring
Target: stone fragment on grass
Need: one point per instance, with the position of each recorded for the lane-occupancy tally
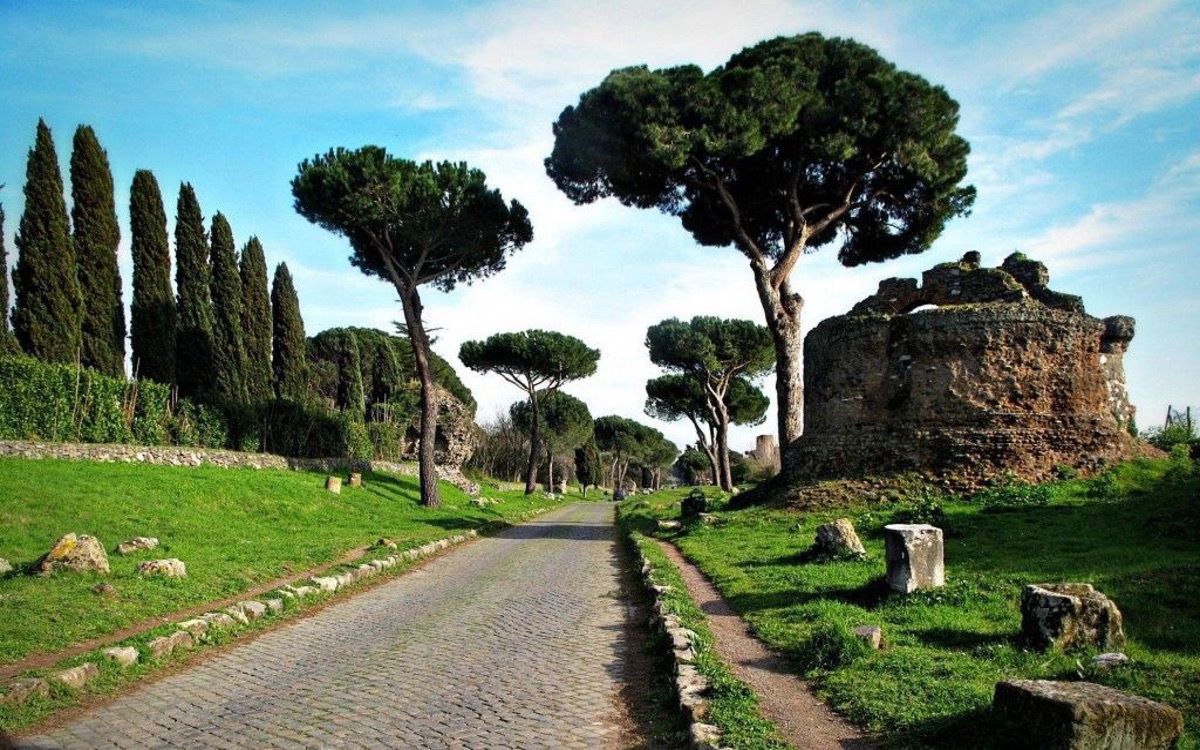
(125, 656)
(704, 736)
(5, 566)
(274, 605)
(385, 542)
(303, 591)
(235, 611)
(77, 677)
(669, 525)
(74, 553)
(1083, 716)
(355, 479)
(1109, 661)
(334, 485)
(169, 568)
(104, 589)
(195, 626)
(1065, 615)
(138, 543)
(326, 583)
(870, 635)
(345, 579)
(219, 620)
(693, 505)
(837, 539)
(252, 609)
(20, 691)
(914, 557)
(286, 593)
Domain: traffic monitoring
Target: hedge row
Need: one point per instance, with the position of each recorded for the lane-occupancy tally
(65, 403)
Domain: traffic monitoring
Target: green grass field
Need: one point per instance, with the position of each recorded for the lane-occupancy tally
(234, 528)
(1134, 534)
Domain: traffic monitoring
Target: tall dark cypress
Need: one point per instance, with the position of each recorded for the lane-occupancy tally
(152, 313)
(8, 344)
(229, 355)
(49, 305)
(289, 346)
(194, 372)
(94, 217)
(256, 322)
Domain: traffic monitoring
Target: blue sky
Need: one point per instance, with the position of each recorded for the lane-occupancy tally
(1083, 119)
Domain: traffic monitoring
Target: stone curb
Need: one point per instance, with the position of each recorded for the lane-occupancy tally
(691, 687)
(190, 631)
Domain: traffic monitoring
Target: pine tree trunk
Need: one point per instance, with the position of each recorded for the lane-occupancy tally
(430, 495)
(722, 450)
(782, 309)
(550, 472)
(534, 435)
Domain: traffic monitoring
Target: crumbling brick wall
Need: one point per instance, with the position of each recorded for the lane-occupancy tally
(1001, 375)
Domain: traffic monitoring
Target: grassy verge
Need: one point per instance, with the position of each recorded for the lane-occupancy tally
(1134, 533)
(734, 707)
(233, 528)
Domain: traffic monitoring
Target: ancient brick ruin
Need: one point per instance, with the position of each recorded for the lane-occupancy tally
(1000, 374)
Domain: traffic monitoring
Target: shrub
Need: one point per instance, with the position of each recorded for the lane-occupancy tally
(833, 644)
(1166, 438)
(926, 509)
(1013, 494)
(1104, 486)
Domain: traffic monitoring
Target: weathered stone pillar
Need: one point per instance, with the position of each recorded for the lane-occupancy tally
(914, 557)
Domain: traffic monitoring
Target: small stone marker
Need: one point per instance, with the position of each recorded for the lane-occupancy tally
(334, 485)
(669, 525)
(1083, 716)
(22, 690)
(870, 634)
(914, 557)
(5, 566)
(77, 677)
(104, 589)
(136, 544)
(1109, 661)
(1064, 615)
(123, 655)
(355, 479)
(837, 539)
(171, 568)
(74, 553)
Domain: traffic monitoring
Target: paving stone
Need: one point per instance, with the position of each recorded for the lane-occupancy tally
(510, 642)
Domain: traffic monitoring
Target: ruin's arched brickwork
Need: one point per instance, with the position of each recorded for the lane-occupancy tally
(1003, 375)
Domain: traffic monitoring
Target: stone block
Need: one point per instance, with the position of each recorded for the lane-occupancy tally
(219, 620)
(1083, 716)
(303, 591)
(1067, 615)
(669, 525)
(355, 479)
(1109, 661)
(274, 605)
(252, 609)
(195, 626)
(5, 566)
(20, 691)
(870, 634)
(76, 677)
(914, 557)
(235, 611)
(74, 553)
(326, 583)
(172, 568)
(125, 656)
(138, 543)
(837, 539)
(334, 485)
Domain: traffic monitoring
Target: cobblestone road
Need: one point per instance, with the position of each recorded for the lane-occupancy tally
(514, 641)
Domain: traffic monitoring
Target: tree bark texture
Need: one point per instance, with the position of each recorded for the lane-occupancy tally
(411, 301)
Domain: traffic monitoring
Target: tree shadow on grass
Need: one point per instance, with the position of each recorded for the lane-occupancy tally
(961, 640)
(869, 596)
(976, 729)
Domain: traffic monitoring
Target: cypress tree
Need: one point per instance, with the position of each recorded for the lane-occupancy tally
(351, 396)
(94, 217)
(8, 344)
(49, 305)
(256, 322)
(229, 355)
(289, 356)
(152, 314)
(194, 337)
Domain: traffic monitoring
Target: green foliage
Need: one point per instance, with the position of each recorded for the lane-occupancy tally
(711, 348)
(289, 358)
(833, 644)
(194, 364)
(788, 125)
(1166, 438)
(199, 426)
(531, 360)
(692, 463)
(229, 355)
(1013, 493)
(48, 312)
(926, 508)
(566, 423)
(8, 343)
(94, 217)
(366, 195)
(256, 322)
(153, 316)
(589, 469)
(60, 402)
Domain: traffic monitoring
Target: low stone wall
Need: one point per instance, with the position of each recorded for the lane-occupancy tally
(169, 455)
